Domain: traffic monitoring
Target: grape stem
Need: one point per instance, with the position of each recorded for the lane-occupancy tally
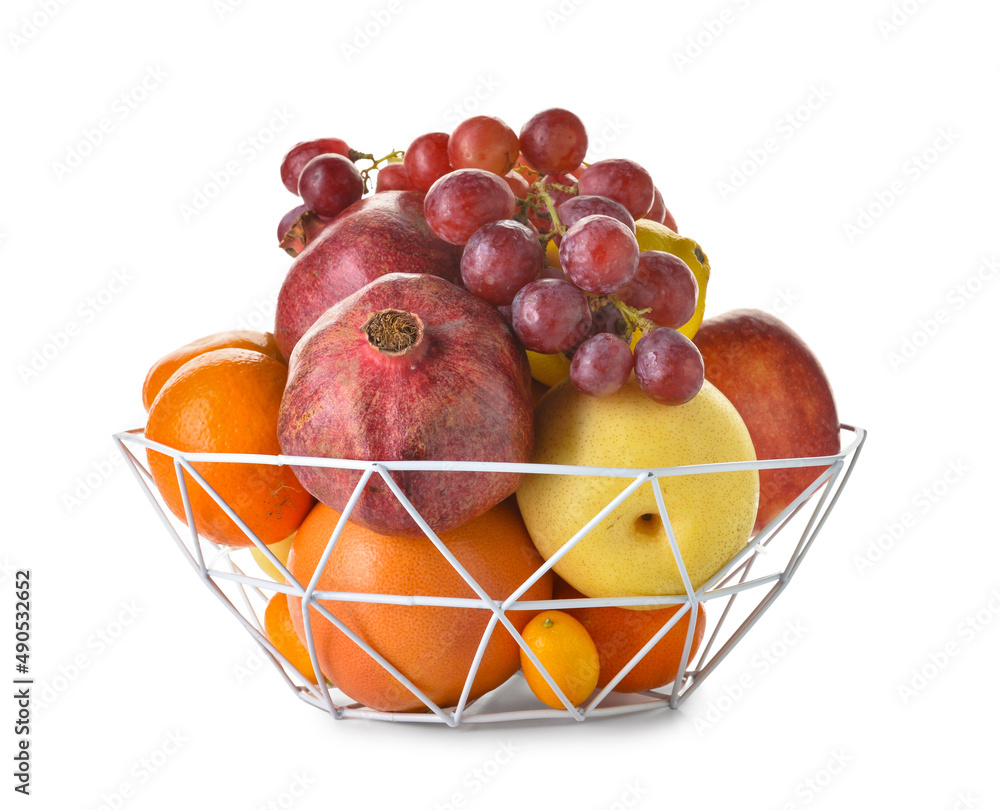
(557, 226)
(355, 155)
(634, 318)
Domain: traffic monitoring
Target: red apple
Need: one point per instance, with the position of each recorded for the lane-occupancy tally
(777, 385)
(383, 233)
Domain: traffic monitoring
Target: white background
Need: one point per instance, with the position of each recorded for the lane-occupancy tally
(883, 89)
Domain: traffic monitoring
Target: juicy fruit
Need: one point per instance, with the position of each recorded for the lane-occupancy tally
(281, 633)
(161, 370)
(628, 553)
(619, 633)
(549, 369)
(553, 141)
(654, 236)
(280, 551)
(433, 646)
(226, 401)
(779, 388)
(566, 651)
(409, 368)
(384, 233)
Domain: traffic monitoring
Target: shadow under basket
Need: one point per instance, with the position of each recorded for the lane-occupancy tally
(733, 599)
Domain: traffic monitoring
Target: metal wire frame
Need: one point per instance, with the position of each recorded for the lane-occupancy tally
(837, 469)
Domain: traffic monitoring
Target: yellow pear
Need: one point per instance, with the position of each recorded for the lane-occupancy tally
(279, 550)
(628, 553)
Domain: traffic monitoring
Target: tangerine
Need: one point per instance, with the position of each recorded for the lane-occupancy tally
(226, 401)
(568, 653)
(434, 646)
(161, 370)
(281, 633)
(619, 633)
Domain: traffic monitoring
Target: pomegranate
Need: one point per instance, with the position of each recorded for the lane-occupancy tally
(383, 233)
(410, 367)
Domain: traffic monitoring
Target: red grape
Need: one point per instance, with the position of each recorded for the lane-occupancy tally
(483, 142)
(464, 200)
(300, 154)
(576, 208)
(557, 194)
(554, 141)
(622, 180)
(517, 184)
(329, 183)
(426, 159)
(550, 315)
(392, 177)
(659, 212)
(552, 271)
(601, 365)
(659, 207)
(499, 259)
(607, 319)
(290, 219)
(664, 284)
(525, 170)
(599, 254)
(668, 366)
(669, 221)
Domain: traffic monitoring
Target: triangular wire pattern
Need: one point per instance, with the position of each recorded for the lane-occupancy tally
(829, 484)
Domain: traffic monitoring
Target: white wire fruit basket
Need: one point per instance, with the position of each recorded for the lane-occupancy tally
(732, 600)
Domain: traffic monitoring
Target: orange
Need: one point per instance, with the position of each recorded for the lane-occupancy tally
(280, 632)
(432, 645)
(234, 339)
(568, 653)
(226, 401)
(620, 633)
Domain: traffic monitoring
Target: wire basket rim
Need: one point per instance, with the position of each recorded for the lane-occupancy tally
(137, 436)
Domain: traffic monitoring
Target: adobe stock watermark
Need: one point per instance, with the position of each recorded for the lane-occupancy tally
(296, 789)
(471, 103)
(784, 300)
(477, 779)
(922, 502)
(254, 662)
(914, 168)
(7, 570)
(96, 644)
(786, 127)
(31, 25)
(368, 31)
(223, 8)
(87, 483)
(708, 33)
(762, 662)
(807, 790)
(120, 110)
(971, 627)
(247, 151)
(559, 13)
(59, 339)
(631, 795)
(261, 317)
(600, 139)
(955, 300)
(898, 16)
(965, 800)
(143, 770)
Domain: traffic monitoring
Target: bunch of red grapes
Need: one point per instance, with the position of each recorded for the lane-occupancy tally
(504, 196)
